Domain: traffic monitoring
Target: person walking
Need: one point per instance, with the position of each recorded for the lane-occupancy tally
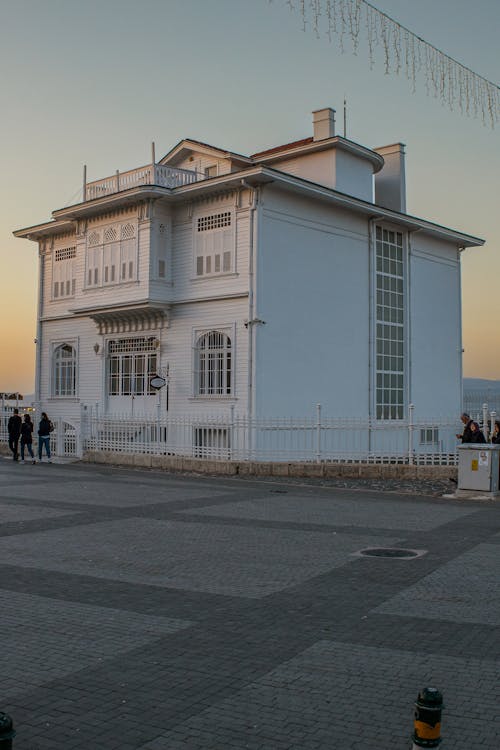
(27, 438)
(44, 429)
(14, 429)
(495, 435)
(466, 435)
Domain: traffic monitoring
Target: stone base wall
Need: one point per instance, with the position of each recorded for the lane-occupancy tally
(275, 469)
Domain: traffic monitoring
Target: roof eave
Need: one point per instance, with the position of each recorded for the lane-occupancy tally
(328, 143)
(188, 144)
(262, 175)
(254, 177)
(46, 229)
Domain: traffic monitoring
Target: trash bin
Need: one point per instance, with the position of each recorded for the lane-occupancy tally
(479, 467)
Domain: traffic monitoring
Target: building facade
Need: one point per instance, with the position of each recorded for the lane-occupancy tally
(265, 283)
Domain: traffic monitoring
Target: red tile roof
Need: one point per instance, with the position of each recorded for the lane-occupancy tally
(284, 147)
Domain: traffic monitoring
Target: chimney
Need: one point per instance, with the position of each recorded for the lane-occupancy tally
(323, 124)
(390, 182)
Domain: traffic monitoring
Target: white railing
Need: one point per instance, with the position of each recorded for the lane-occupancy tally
(151, 174)
(313, 439)
(230, 436)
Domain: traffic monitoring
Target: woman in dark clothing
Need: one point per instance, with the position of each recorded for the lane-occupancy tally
(477, 435)
(44, 436)
(495, 435)
(27, 438)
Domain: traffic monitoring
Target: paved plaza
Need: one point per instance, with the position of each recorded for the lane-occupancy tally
(142, 610)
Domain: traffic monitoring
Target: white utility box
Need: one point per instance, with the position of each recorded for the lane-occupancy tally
(479, 467)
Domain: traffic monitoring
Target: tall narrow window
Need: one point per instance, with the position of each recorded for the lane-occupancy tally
(214, 243)
(94, 257)
(213, 365)
(64, 371)
(63, 272)
(390, 324)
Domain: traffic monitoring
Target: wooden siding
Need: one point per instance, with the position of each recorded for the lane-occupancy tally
(178, 352)
(434, 309)
(199, 162)
(88, 297)
(313, 294)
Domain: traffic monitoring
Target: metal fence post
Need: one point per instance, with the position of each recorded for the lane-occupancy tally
(318, 433)
(231, 433)
(411, 459)
(80, 431)
(485, 421)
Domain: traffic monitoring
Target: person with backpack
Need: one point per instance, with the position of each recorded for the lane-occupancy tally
(14, 429)
(27, 438)
(44, 429)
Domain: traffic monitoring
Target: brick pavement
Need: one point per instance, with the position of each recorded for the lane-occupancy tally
(148, 611)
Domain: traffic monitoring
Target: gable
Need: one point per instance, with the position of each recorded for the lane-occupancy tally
(200, 157)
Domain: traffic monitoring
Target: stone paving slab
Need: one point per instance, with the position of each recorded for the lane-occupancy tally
(13, 513)
(49, 639)
(313, 701)
(215, 613)
(194, 556)
(362, 512)
(448, 594)
(130, 495)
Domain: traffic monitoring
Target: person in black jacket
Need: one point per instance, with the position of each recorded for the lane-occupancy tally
(495, 435)
(466, 435)
(476, 433)
(14, 428)
(27, 438)
(44, 436)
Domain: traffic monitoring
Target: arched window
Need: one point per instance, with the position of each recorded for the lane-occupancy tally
(213, 365)
(64, 364)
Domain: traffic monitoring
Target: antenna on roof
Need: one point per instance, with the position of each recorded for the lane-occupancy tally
(153, 152)
(345, 117)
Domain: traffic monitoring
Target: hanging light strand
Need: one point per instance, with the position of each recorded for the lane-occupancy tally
(454, 84)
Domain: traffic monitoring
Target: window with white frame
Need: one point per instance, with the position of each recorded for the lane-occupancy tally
(162, 250)
(390, 322)
(111, 255)
(213, 365)
(214, 243)
(63, 272)
(429, 436)
(131, 362)
(64, 371)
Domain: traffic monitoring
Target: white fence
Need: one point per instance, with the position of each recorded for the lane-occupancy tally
(151, 174)
(317, 438)
(314, 439)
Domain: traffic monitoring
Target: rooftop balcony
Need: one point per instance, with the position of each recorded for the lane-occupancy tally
(151, 174)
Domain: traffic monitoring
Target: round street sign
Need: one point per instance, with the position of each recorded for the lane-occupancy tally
(156, 381)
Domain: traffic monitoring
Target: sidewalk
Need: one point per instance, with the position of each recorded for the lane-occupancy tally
(142, 610)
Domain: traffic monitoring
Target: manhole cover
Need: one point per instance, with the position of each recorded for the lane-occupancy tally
(389, 552)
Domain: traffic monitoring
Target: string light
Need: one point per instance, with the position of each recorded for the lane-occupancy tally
(455, 85)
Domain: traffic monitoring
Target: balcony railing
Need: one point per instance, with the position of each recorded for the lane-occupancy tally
(151, 174)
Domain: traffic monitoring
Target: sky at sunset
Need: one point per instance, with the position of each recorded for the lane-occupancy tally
(95, 82)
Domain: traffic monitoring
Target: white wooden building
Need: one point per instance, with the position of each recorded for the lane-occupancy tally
(268, 282)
